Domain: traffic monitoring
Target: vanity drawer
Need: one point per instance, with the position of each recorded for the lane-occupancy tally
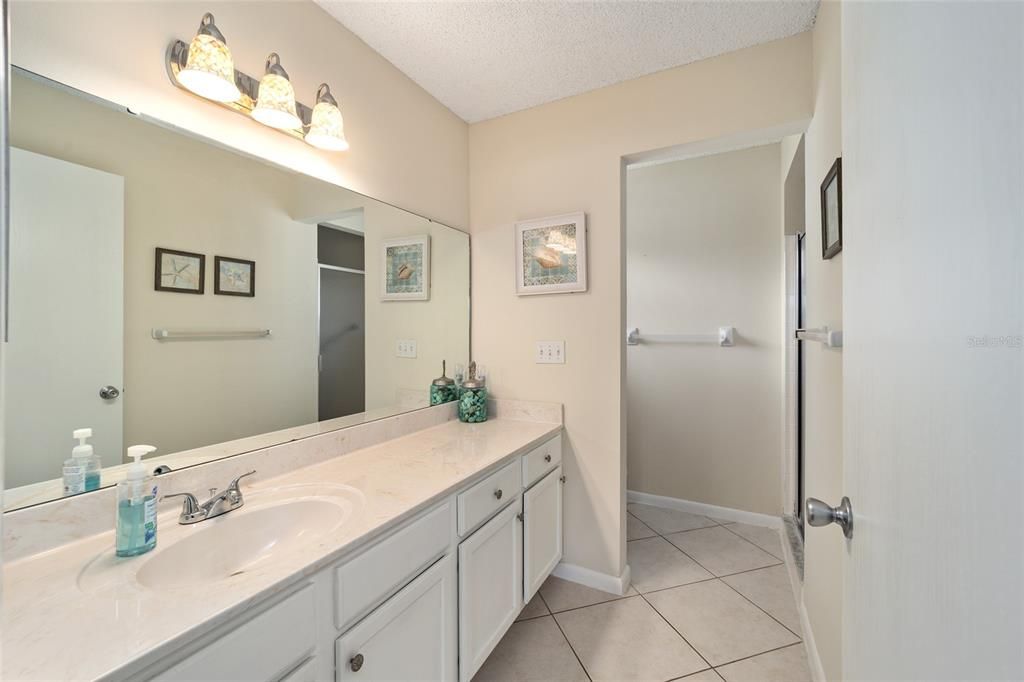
(385, 568)
(265, 647)
(480, 502)
(541, 460)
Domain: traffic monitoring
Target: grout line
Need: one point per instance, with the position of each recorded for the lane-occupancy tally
(752, 542)
(712, 670)
(706, 662)
(607, 601)
(795, 634)
(747, 658)
(571, 647)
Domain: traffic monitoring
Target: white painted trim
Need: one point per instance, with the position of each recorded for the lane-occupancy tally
(599, 581)
(807, 634)
(724, 513)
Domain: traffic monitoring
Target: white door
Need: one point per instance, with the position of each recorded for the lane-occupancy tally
(66, 314)
(409, 637)
(933, 230)
(542, 531)
(490, 586)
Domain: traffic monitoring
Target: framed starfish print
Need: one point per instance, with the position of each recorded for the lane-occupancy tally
(180, 271)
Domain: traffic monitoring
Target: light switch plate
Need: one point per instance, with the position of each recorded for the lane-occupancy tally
(550, 353)
(405, 348)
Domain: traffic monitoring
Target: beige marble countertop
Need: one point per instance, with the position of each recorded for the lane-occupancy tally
(54, 629)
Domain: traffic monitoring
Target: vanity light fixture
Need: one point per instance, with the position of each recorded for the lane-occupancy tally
(209, 69)
(205, 67)
(275, 104)
(327, 127)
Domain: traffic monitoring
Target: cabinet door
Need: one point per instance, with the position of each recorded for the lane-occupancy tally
(409, 637)
(490, 586)
(542, 531)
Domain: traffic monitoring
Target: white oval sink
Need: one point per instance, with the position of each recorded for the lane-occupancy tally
(273, 524)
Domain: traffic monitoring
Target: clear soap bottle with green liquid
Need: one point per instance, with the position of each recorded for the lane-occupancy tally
(136, 507)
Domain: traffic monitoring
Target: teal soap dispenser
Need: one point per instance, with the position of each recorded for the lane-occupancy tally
(136, 507)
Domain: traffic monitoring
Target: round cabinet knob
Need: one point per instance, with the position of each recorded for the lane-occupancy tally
(547, 458)
(356, 662)
(498, 494)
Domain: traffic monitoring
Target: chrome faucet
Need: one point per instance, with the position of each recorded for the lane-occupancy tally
(219, 503)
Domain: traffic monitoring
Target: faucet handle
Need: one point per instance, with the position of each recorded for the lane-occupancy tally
(190, 505)
(233, 486)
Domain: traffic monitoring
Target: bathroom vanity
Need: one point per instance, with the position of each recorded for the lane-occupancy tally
(408, 559)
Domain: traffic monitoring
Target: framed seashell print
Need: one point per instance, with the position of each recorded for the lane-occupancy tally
(551, 255)
(405, 269)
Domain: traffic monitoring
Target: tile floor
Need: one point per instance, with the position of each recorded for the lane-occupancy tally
(710, 601)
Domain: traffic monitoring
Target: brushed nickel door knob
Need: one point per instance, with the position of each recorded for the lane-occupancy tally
(821, 514)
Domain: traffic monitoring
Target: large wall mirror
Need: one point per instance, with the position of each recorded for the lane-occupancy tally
(168, 291)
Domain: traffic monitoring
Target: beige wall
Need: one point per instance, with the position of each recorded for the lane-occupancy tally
(407, 149)
(823, 399)
(704, 249)
(567, 156)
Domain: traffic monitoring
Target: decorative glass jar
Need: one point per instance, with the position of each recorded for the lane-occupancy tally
(473, 397)
(443, 389)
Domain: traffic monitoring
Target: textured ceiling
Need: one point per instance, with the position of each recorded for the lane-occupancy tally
(488, 58)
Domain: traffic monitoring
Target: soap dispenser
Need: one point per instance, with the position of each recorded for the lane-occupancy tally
(82, 470)
(136, 507)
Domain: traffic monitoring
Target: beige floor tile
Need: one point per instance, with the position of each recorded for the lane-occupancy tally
(561, 595)
(668, 520)
(534, 608)
(628, 640)
(532, 650)
(768, 539)
(770, 589)
(721, 551)
(637, 529)
(719, 623)
(708, 675)
(655, 564)
(784, 665)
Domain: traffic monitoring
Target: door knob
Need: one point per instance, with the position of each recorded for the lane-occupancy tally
(109, 392)
(820, 514)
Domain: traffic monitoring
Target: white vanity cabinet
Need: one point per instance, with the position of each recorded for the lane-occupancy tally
(409, 637)
(426, 600)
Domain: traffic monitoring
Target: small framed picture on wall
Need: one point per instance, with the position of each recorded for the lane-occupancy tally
(235, 276)
(405, 269)
(180, 271)
(832, 211)
(551, 255)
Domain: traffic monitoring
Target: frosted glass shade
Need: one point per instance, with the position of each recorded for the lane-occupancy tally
(327, 128)
(275, 105)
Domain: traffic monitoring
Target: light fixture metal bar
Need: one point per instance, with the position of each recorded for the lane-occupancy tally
(177, 57)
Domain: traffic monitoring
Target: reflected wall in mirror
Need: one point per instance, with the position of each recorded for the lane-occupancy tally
(102, 338)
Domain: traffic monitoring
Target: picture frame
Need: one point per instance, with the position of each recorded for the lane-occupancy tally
(832, 211)
(181, 272)
(405, 268)
(234, 276)
(551, 255)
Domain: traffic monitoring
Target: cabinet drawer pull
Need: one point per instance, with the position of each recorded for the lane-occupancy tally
(547, 458)
(498, 494)
(356, 662)
(519, 516)
(562, 479)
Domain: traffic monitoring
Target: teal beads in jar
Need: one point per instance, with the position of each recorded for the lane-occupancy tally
(443, 389)
(473, 397)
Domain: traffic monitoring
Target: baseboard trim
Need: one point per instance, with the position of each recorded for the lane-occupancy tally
(807, 634)
(599, 581)
(724, 513)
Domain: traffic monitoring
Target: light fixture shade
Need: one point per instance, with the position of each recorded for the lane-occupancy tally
(327, 127)
(275, 104)
(210, 71)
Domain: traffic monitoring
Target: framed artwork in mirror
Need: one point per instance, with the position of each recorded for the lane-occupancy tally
(405, 269)
(832, 211)
(235, 276)
(180, 271)
(551, 255)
